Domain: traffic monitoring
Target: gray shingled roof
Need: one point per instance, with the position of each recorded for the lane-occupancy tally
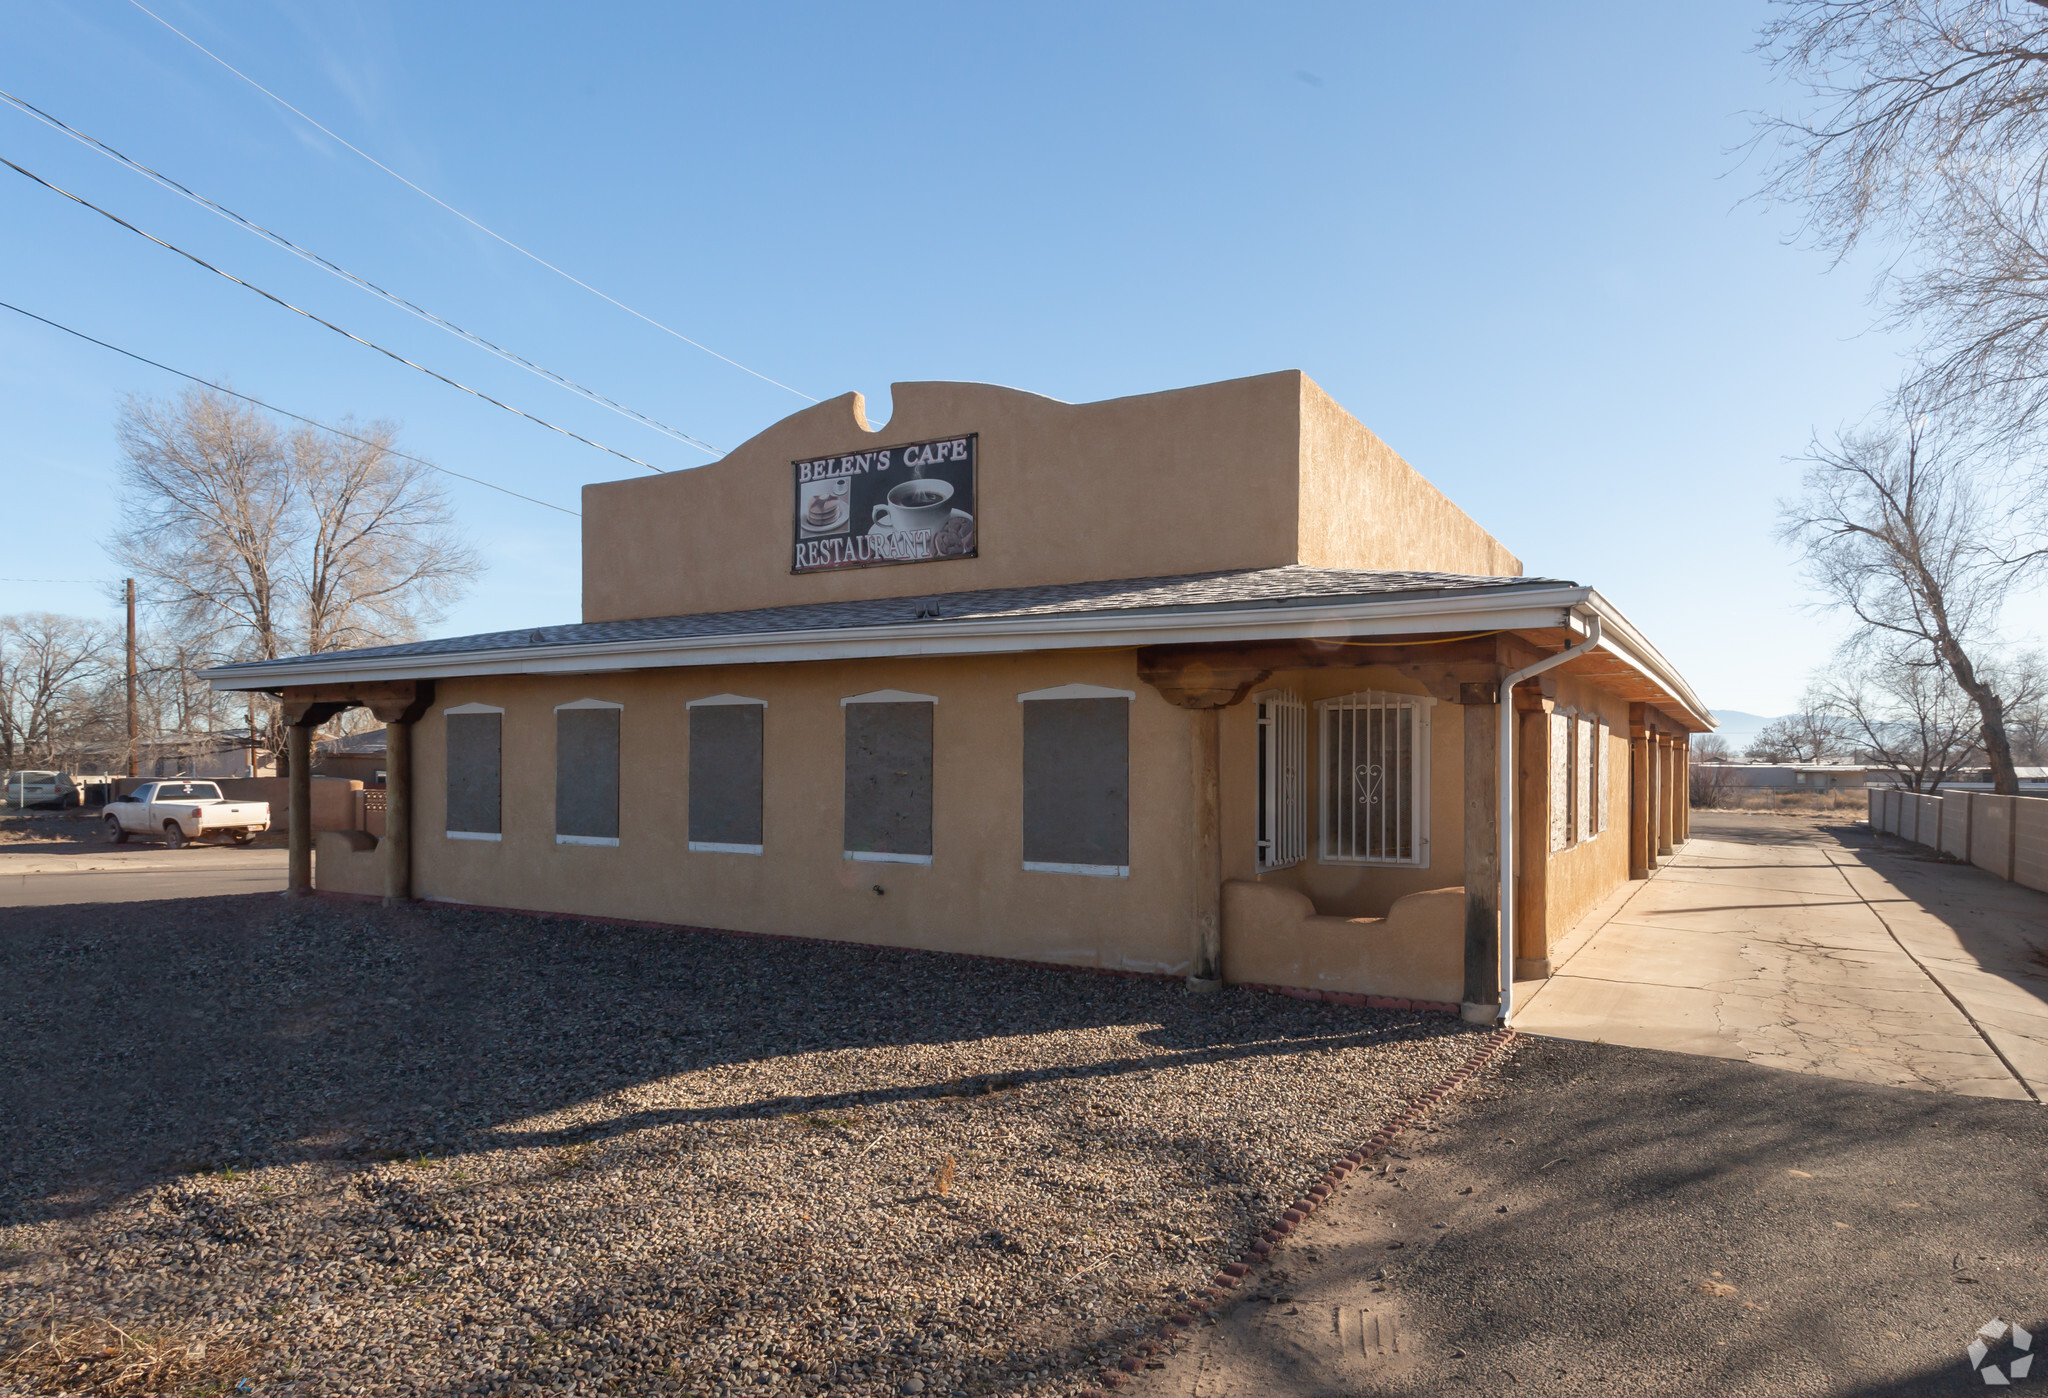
(1266, 587)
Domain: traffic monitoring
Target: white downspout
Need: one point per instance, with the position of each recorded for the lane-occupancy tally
(1507, 805)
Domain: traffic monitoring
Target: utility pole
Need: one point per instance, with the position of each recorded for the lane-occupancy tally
(131, 677)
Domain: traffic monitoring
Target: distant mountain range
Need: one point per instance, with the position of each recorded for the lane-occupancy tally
(1740, 729)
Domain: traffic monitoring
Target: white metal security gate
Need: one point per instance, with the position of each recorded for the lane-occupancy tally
(1375, 764)
(1283, 779)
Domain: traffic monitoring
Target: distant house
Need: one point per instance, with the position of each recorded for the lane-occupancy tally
(216, 756)
(1794, 776)
(1843, 776)
(357, 757)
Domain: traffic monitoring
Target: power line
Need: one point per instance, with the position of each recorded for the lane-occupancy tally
(71, 582)
(279, 300)
(268, 407)
(279, 240)
(536, 257)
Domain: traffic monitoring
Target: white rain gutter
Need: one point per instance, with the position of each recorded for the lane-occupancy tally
(1506, 832)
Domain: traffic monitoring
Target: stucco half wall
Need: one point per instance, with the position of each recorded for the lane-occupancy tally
(1249, 473)
(1272, 935)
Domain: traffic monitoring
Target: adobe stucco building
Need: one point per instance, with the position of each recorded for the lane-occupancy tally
(1205, 682)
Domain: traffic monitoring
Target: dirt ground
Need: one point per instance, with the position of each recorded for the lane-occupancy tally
(332, 1148)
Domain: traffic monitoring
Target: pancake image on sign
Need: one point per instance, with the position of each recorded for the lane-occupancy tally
(823, 507)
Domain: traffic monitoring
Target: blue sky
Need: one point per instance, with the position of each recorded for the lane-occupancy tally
(1512, 242)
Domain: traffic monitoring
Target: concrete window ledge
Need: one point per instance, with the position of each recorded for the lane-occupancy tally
(1274, 936)
(347, 861)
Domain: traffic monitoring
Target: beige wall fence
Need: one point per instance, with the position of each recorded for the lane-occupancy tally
(2006, 835)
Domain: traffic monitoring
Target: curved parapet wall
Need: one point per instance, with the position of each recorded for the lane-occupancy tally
(1249, 473)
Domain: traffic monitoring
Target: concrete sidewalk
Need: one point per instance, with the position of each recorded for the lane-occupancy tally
(1817, 947)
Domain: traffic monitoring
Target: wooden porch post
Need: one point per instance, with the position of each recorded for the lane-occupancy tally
(299, 810)
(1205, 969)
(397, 812)
(1668, 803)
(1642, 850)
(1205, 686)
(1684, 752)
(1532, 835)
(398, 703)
(1482, 842)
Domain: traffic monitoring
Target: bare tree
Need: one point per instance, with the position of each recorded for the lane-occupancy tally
(48, 669)
(1905, 710)
(250, 545)
(206, 519)
(1896, 527)
(2024, 685)
(379, 559)
(1807, 737)
(1924, 119)
(1709, 776)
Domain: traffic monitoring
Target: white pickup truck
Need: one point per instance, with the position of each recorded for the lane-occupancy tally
(182, 811)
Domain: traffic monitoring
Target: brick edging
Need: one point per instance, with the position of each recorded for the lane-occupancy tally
(1299, 1212)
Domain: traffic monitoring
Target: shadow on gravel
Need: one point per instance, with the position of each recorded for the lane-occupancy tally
(150, 1040)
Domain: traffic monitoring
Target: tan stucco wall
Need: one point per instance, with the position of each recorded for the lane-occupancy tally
(1362, 506)
(974, 896)
(1248, 473)
(1344, 890)
(1273, 936)
(1583, 874)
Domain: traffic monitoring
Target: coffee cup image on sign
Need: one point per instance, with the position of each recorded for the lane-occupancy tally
(822, 506)
(918, 504)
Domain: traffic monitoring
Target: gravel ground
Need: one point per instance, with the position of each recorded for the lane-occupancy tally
(429, 1150)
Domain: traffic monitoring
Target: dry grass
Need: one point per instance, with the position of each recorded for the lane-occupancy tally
(1793, 802)
(100, 1357)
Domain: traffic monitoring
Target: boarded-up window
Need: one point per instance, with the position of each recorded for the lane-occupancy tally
(888, 815)
(1560, 780)
(587, 773)
(475, 743)
(1077, 781)
(1582, 778)
(725, 774)
(1602, 778)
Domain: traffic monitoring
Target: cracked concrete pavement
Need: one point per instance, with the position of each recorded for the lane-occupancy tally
(1816, 946)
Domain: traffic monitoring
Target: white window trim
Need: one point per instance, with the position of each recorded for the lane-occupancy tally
(1077, 691)
(713, 847)
(869, 856)
(1274, 795)
(1420, 778)
(607, 841)
(1093, 871)
(888, 696)
(588, 704)
(472, 709)
(494, 837)
(716, 700)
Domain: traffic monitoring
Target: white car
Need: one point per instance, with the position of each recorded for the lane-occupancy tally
(182, 811)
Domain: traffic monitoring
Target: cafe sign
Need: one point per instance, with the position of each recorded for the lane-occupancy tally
(907, 504)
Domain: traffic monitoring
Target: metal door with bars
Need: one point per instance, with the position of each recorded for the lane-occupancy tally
(1283, 778)
(1375, 769)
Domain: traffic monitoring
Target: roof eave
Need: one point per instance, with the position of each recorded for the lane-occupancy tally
(1523, 608)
